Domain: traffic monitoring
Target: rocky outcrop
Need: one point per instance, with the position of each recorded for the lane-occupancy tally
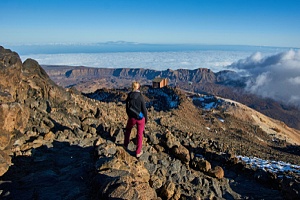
(23, 87)
(121, 175)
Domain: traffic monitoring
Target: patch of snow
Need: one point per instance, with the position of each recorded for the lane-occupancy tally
(210, 105)
(172, 100)
(208, 102)
(173, 104)
(209, 97)
(221, 120)
(269, 165)
(198, 98)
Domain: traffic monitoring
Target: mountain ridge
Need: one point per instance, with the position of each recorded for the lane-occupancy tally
(226, 84)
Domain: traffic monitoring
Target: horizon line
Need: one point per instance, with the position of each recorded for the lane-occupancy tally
(121, 42)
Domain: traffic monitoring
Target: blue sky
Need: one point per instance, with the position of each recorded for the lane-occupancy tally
(233, 22)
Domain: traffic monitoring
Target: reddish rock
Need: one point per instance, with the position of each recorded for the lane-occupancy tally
(49, 136)
(129, 177)
(182, 153)
(168, 190)
(202, 165)
(217, 172)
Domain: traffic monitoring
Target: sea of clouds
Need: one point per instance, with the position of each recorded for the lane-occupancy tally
(215, 60)
(275, 76)
(274, 72)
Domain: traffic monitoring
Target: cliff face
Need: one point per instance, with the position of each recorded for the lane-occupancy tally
(90, 79)
(197, 76)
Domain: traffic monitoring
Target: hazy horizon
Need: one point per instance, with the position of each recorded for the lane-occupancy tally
(123, 46)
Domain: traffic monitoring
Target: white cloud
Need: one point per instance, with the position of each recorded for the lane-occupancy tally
(275, 76)
(295, 80)
(260, 82)
(294, 100)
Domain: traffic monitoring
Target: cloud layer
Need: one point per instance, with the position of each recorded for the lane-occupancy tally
(215, 60)
(276, 76)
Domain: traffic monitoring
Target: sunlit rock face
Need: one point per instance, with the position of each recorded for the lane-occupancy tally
(25, 90)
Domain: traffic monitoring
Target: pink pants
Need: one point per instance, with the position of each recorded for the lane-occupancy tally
(140, 129)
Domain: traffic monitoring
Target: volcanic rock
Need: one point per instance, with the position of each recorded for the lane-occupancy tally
(217, 172)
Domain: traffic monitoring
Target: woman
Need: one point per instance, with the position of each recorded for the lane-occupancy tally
(137, 115)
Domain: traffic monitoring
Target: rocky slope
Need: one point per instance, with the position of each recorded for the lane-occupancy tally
(59, 144)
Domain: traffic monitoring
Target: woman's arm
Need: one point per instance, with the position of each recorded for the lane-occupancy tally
(144, 109)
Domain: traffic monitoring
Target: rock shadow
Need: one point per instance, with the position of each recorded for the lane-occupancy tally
(291, 149)
(62, 171)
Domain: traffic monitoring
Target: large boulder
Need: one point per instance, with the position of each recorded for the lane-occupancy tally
(201, 164)
(168, 190)
(121, 175)
(216, 172)
(179, 151)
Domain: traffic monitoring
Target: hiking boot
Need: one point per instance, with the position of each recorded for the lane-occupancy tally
(139, 154)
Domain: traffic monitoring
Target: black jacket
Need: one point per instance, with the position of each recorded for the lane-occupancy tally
(136, 100)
